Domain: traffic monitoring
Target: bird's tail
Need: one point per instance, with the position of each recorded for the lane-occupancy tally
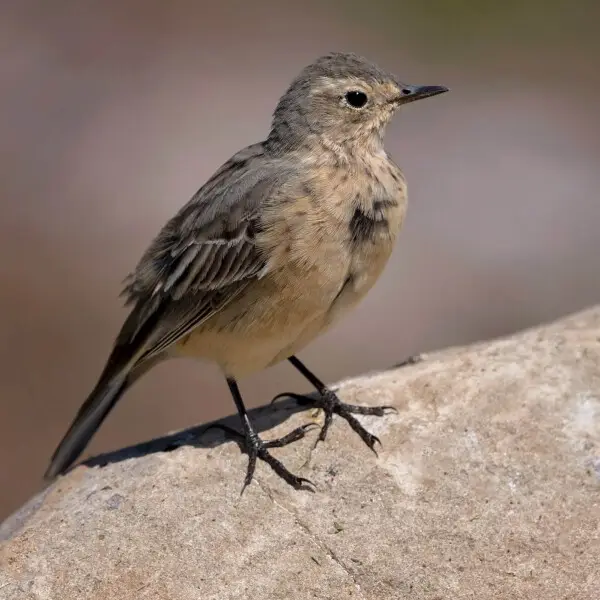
(127, 361)
(94, 410)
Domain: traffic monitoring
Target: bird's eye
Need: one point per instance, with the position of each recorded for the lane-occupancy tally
(356, 99)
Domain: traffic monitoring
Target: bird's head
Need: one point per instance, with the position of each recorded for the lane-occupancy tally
(342, 99)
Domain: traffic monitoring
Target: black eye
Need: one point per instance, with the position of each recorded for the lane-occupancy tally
(356, 99)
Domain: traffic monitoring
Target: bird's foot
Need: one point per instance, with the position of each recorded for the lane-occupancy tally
(330, 403)
(256, 448)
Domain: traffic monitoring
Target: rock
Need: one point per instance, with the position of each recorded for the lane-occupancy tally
(487, 486)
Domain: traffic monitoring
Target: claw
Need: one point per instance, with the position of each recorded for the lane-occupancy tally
(225, 428)
(377, 411)
(300, 398)
(259, 450)
(331, 404)
(293, 436)
(256, 448)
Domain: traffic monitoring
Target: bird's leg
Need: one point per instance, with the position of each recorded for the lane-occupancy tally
(255, 447)
(331, 404)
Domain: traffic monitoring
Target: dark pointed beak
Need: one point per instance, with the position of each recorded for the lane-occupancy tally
(410, 93)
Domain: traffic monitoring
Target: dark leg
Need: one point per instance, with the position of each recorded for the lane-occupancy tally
(331, 405)
(257, 448)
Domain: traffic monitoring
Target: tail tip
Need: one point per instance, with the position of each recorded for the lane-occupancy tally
(54, 470)
(50, 474)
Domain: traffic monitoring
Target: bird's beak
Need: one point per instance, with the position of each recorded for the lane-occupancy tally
(410, 93)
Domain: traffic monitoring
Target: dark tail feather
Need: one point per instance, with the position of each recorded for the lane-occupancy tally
(122, 370)
(89, 418)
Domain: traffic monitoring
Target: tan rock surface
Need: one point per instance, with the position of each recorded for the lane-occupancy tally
(487, 486)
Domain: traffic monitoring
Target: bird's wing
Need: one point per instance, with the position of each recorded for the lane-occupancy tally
(201, 260)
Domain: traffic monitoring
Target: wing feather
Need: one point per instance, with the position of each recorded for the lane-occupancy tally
(203, 258)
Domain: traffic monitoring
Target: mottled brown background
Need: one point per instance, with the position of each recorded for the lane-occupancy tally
(113, 113)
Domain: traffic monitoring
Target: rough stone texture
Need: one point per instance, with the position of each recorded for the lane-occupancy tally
(488, 486)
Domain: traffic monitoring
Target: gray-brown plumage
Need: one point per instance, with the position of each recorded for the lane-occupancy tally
(285, 238)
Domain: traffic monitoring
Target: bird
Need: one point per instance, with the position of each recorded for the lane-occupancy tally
(286, 237)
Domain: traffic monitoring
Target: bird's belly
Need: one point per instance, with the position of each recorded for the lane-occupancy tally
(254, 330)
(361, 276)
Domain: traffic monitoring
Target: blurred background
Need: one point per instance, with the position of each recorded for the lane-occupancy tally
(113, 113)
